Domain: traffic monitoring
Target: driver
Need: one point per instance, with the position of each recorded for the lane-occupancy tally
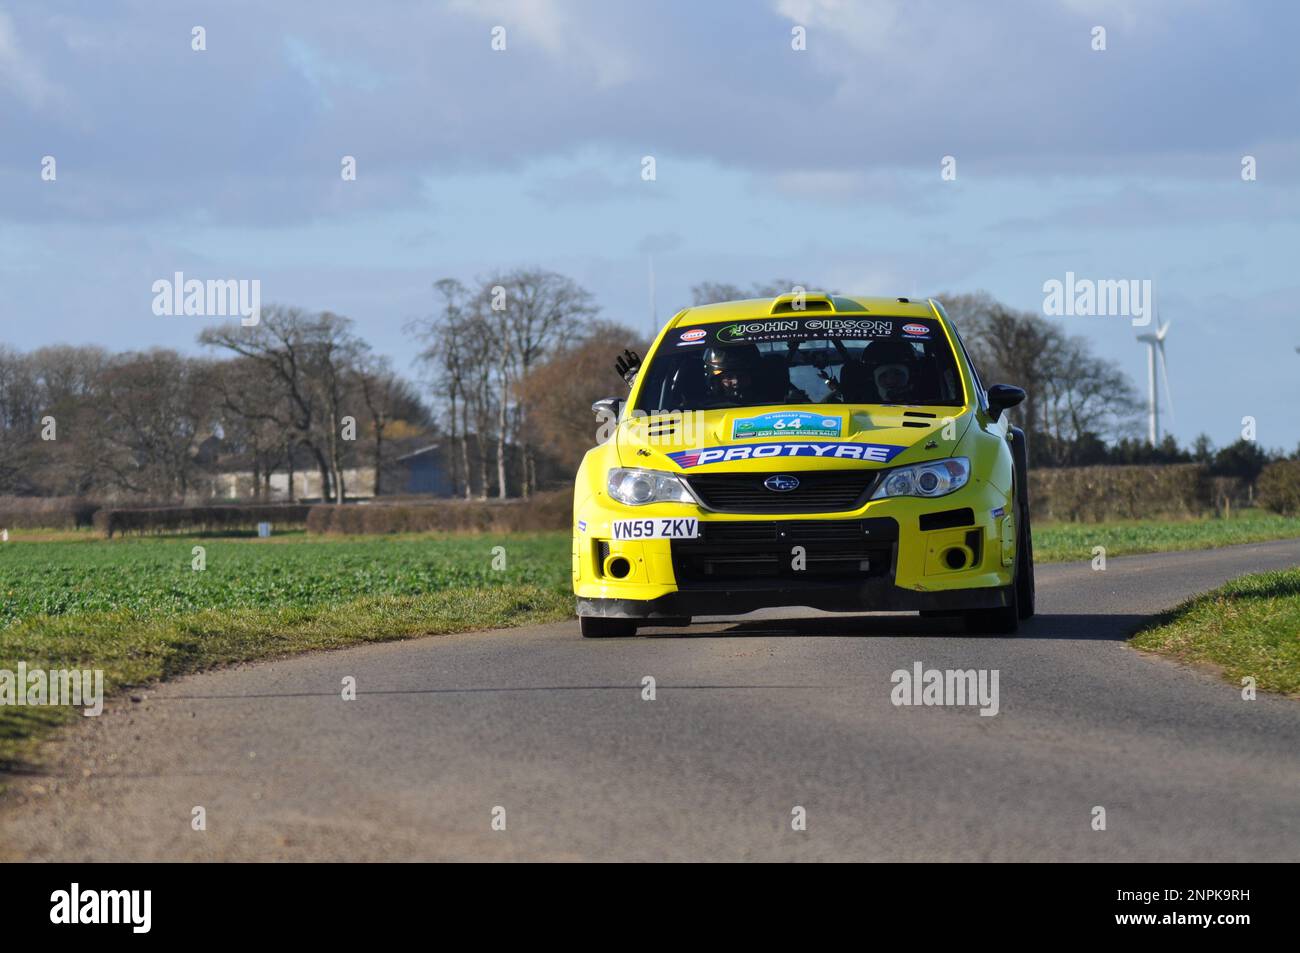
(893, 369)
(729, 372)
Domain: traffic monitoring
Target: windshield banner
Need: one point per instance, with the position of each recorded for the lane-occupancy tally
(803, 329)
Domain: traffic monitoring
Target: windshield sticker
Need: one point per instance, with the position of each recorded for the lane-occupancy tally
(802, 329)
(868, 452)
(789, 423)
(810, 328)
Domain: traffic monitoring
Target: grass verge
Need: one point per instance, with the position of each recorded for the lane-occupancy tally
(1251, 626)
(1073, 542)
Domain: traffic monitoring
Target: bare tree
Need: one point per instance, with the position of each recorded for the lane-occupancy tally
(19, 406)
(533, 311)
(334, 356)
(457, 357)
(148, 424)
(252, 429)
(390, 402)
(310, 358)
(1085, 398)
(561, 389)
(62, 384)
(1071, 392)
(157, 407)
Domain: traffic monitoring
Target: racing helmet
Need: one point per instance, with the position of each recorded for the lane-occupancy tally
(892, 365)
(729, 371)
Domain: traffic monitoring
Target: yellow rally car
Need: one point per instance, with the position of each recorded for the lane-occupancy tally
(833, 452)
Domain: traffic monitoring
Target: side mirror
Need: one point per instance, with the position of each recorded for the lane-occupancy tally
(1003, 397)
(608, 409)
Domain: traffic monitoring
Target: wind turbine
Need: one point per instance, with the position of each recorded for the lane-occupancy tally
(1156, 351)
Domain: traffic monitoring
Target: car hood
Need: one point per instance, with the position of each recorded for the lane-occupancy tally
(806, 437)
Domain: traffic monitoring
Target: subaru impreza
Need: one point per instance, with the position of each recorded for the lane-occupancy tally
(821, 451)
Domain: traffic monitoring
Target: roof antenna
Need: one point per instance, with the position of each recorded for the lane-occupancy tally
(654, 313)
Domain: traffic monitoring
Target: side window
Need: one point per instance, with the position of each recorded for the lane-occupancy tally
(981, 394)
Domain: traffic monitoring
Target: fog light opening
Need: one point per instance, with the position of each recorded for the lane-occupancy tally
(617, 567)
(957, 557)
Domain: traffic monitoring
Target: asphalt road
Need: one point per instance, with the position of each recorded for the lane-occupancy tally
(752, 718)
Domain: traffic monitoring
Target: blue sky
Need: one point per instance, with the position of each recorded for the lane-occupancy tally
(821, 164)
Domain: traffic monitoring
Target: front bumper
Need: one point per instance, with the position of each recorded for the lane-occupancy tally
(874, 596)
(892, 555)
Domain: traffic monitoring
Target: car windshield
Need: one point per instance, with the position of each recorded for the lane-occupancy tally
(812, 360)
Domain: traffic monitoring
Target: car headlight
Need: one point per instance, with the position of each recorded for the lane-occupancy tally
(925, 479)
(639, 487)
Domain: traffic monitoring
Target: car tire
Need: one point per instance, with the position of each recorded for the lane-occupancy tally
(1025, 593)
(1005, 620)
(597, 627)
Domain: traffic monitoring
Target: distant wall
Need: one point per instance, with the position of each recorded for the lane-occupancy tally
(198, 519)
(543, 511)
(46, 512)
(358, 483)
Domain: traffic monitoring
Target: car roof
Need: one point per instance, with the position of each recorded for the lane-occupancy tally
(815, 304)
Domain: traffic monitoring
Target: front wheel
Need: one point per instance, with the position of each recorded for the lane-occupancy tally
(1006, 619)
(1025, 595)
(598, 627)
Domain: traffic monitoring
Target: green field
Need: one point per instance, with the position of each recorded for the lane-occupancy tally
(1251, 627)
(1074, 542)
(155, 575)
(137, 609)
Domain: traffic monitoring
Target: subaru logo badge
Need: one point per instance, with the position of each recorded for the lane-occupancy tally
(781, 483)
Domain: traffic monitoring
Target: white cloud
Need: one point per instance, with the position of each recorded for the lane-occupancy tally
(561, 30)
(19, 72)
(869, 27)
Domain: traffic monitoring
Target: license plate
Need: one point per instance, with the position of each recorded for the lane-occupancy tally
(657, 528)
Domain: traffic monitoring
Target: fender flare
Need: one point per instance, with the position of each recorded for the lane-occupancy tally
(1020, 462)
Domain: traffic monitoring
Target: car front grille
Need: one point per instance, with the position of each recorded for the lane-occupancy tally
(758, 555)
(819, 491)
